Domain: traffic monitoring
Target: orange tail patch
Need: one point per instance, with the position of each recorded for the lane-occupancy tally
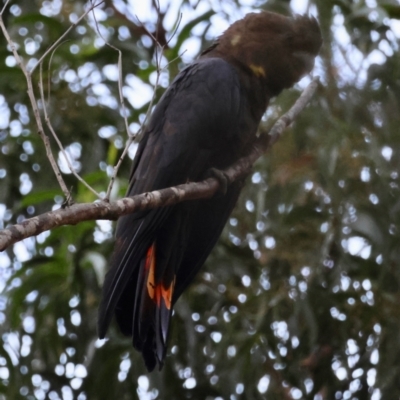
(150, 267)
(157, 291)
(165, 294)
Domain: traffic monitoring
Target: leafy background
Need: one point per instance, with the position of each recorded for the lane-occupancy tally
(300, 298)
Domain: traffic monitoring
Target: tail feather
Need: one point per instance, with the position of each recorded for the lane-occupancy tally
(144, 306)
(152, 311)
(115, 286)
(163, 317)
(164, 302)
(140, 285)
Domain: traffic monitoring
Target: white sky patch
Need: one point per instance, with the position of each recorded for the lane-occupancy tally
(132, 150)
(4, 260)
(374, 358)
(111, 72)
(299, 6)
(386, 48)
(106, 132)
(346, 56)
(341, 373)
(387, 153)
(143, 9)
(29, 324)
(395, 27)
(376, 57)
(100, 89)
(280, 329)
(263, 384)
(21, 252)
(4, 113)
(339, 31)
(365, 174)
(73, 152)
(359, 246)
(190, 49)
(249, 3)
(190, 383)
(304, 82)
(172, 11)
(137, 92)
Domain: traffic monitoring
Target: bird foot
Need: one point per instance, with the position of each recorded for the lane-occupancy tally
(221, 177)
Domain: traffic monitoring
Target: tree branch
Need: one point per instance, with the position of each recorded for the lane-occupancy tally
(160, 198)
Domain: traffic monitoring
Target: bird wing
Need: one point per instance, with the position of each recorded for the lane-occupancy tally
(205, 225)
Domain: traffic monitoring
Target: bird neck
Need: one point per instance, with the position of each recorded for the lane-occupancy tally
(253, 81)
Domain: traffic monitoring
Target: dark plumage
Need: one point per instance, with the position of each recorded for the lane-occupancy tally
(206, 119)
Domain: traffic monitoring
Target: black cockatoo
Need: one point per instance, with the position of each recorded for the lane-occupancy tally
(207, 119)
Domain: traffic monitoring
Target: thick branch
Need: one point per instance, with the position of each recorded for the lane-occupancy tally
(160, 198)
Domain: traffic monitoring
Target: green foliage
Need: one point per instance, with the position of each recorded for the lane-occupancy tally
(300, 297)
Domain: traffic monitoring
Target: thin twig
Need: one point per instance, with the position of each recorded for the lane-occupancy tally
(52, 49)
(124, 112)
(128, 143)
(60, 145)
(4, 8)
(31, 94)
(178, 22)
(153, 97)
(159, 198)
(55, 44)
(35, 108)
(138, 136)
(158, 58)
(49, 69)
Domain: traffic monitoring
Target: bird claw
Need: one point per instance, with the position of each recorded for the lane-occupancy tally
(221, 177)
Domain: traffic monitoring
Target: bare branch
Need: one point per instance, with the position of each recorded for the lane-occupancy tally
(55, 44)
(4, 7)
(124, 112)
(130, 140)
(106, 210)
(159, 198)
(60, 146)
(35, 108)
(49, 71)
(286, 119)
(175, 31)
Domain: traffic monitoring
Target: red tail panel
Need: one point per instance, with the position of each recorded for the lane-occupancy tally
(157, 291)
(150, 266)
(155, 309)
